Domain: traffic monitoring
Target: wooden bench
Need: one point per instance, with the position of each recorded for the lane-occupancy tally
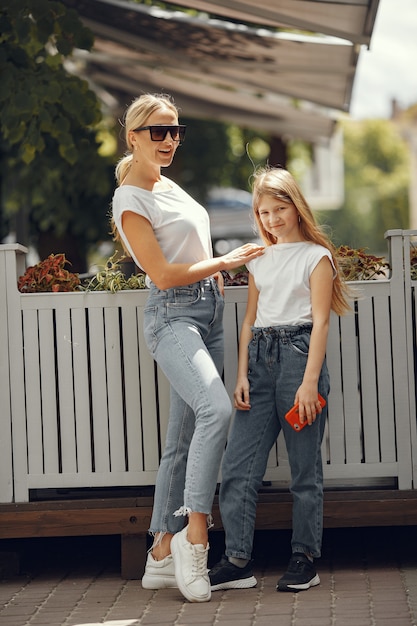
(130, 517)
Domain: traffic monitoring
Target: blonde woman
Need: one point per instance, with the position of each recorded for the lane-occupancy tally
(167, 234)
(292, 289)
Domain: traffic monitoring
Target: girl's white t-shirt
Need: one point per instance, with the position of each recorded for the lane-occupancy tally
(181, 225)
(282, 277)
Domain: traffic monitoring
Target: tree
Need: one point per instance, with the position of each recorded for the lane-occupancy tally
(55, 186)
(377, 172)
(216, 154)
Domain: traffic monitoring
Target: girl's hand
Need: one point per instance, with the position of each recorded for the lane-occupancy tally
(242, 255)
(308, 404)
(241, 394)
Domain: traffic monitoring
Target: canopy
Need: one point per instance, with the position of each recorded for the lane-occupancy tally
(283, 66)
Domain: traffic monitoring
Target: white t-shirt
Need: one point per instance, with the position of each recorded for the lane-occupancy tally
(181, 225)
(282, 276)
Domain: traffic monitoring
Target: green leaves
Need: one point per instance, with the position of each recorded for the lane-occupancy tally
(112, 278)
(376, 160)
(37, 35)
(50, 163)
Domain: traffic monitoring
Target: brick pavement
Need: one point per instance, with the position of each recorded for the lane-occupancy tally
(368, 578)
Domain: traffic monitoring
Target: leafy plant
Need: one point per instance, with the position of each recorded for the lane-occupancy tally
(236, 277)
(111, 278)
(49, 275)
(356, 264)
(413, 262)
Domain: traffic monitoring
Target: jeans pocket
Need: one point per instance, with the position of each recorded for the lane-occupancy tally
(184, 296)
(300, 344)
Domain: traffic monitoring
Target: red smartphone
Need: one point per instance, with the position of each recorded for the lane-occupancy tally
(292, 416)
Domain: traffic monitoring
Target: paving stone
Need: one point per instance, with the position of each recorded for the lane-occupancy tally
(359, 587)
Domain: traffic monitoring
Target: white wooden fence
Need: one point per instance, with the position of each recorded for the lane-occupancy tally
(83, 405)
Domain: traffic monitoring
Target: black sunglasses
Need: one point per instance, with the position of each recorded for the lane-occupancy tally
(158, 133)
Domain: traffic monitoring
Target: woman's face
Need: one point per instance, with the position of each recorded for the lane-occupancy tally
(159, 153)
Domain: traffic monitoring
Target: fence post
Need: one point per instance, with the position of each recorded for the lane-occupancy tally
(12, 264)
(410, 288)
(399, 359)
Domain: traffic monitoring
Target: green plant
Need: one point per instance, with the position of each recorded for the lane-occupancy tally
(111, 278)
(49, 275)
(356, 264)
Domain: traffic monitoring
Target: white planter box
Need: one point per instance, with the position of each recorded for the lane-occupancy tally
(83, 404)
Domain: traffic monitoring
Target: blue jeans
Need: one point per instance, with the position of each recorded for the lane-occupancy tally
(184, 333)
(277, 361)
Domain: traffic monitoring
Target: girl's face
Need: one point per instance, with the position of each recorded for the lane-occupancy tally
(159, 153)
(280, 219)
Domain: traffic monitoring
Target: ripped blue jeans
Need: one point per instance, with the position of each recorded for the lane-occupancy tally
(184, 332)
(277, 361)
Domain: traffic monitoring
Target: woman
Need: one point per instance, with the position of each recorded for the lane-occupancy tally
(167, 234)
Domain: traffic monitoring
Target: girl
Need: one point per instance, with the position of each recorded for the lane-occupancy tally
(167, 234)
(292, 289)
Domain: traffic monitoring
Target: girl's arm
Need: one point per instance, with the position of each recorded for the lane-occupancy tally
(164, 275)
(321, 285)
(241, 393)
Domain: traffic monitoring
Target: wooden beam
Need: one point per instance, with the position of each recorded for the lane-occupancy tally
(130, 518)
(64, 518)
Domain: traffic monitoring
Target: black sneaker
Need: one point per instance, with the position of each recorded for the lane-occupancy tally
(300, 574)
(225, 575)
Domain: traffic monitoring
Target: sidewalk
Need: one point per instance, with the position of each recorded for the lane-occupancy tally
(368, 578)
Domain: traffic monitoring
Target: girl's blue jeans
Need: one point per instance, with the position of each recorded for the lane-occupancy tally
(184, 333)
(277, 361)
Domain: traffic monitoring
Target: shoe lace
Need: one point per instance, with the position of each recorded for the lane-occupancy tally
(199, 563)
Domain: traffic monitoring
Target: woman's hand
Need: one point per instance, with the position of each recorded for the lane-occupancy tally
(142, 240)
(242, 255)
(241, 394)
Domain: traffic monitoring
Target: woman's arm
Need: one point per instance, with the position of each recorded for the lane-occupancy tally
(241, 393)
(321, 285)
(141, 237)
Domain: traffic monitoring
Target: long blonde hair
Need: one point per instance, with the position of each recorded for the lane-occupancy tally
(279, 183)
(136, 115)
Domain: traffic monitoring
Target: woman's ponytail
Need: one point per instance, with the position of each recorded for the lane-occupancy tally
(122, 168)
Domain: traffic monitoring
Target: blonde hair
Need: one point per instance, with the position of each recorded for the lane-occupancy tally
(279, 183)
(137, 115)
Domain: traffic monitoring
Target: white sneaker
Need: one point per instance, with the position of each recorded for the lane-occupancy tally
(159, 574)
(190, 563)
